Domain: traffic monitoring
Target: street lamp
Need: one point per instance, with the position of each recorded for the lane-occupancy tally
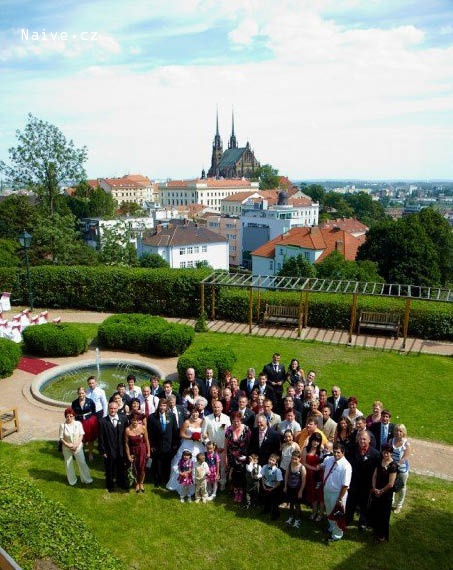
(25, 242)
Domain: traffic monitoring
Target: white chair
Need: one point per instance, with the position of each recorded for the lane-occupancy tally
(5, 301)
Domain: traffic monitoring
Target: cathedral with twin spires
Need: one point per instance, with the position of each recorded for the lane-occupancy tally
(235, 162)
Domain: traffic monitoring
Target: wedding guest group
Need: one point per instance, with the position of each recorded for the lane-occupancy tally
(272, 440)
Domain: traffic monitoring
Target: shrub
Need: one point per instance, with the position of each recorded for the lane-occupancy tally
(10, 354)
(34, 527)
(201, 325)
(146, 334)
(52, 339)
(201, 358)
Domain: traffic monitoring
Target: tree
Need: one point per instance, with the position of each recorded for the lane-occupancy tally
(8, 253)
(403, 251)
(335, 266)
(365, 208)
(88, 202)
(268, 177)
(43, 160)
(440, 232)
(130, 209)
(315, 191)
(297, 266)
(17, 213)
(153, 261)
(116, 246)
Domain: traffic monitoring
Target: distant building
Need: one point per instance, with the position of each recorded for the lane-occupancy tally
(205, 191)
(261, 222)
(185, 244)
(235, 162)
(130, 188)
(350, 225)
(230, 228)
(313, 243)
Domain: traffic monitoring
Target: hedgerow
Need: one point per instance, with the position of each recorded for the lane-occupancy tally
(52, 339)
(10, 354)
(203, 357)
(33, 527)
(145, 334)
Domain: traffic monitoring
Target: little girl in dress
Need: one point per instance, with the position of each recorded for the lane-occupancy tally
(213, 460)
(185, 477)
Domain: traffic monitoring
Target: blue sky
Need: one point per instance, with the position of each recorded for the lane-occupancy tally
(320, 88)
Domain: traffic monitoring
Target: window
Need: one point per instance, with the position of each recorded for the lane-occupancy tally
(196, 249)
(307, 255)
(204, 248)
(190, 250)
(271, 265)
(182, 264)
(279, 266)
(182, 251)
(190, 264)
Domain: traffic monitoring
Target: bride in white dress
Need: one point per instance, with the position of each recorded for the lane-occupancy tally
(191, 434)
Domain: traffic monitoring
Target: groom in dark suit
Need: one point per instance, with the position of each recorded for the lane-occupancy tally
(163, 440)
(264, 440)
(111, 447)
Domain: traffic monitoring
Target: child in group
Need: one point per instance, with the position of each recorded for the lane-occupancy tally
(213, 461)
(327, 451)
(201, 479)
(271, 479)
(185, 477)
(295, 477)
(252, 479)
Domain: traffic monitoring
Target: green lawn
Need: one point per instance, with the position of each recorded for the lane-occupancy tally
(416, 388)
(155, 530)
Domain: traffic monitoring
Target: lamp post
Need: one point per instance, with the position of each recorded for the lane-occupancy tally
(25, 242)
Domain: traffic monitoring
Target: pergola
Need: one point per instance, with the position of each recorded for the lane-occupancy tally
(305, 286)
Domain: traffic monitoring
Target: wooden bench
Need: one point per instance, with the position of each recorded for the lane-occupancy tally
(380, 321)
(8, 417)
(284, 314)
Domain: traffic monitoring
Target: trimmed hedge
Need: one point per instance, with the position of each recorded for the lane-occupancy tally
(428, 319)
(33, 527)
(166, 292)
(10, 354)
(201, 358)
(145, 334)
(52, 339)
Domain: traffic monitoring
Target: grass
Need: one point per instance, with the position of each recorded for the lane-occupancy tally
(155, 530)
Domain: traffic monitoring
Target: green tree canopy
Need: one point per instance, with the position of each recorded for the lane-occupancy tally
(315, 191)
(152, 260)
(88, 202)
(17, 213)
(8, 253)
(335, 266)
(43, 160)
(297, 266)
(116, 246)
(268, 177)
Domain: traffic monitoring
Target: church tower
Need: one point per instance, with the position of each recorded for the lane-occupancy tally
(233, 143)
(217, 151)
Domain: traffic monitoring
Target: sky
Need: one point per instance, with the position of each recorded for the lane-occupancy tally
(319, 88)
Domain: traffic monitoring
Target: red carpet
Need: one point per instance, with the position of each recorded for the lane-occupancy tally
(34, 365)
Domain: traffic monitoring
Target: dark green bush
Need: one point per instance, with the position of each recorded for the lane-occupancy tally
(201, 358)
(146, 334)
(10, 354)
(52, 339)
(33, 527)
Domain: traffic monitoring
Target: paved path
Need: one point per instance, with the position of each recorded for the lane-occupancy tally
(41, 421)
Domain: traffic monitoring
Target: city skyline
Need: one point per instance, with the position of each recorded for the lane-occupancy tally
(328, 89)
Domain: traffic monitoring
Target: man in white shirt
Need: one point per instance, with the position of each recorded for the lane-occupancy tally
(97, 394)
(149, 403)
(214, 430)
(289, 423)
(133, 391)
(337, 478)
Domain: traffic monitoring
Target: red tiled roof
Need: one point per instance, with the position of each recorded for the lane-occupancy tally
(317, 239)
(139, 178)
(182, 235)
(351, 225)
(122, 183)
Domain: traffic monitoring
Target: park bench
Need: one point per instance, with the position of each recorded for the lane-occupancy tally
(9, 422)
(284, 314)
(380, 321)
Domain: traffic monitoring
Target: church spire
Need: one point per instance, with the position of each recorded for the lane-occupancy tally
(217, 150)
(233, 142)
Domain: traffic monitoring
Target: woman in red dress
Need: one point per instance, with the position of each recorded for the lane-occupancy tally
(137, 450)
(311, 458)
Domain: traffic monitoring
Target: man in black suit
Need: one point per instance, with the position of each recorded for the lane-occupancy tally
(208, 382)
(178, 413)
(265, 389)
(163, 440)
(189, 381)
(247, 415)
(248, 383)
(276, 375)
(339, 403)
(264, 440)
(167, 387)
(111, 447)
(363, 459)
(383, 430)
(360, 427)
(155, 387)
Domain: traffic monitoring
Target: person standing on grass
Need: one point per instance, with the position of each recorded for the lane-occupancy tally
(401, 454)
(276, 375)
(337, 478)
(295, 477)
(97, 394)
(71, 437)
(111, 447)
